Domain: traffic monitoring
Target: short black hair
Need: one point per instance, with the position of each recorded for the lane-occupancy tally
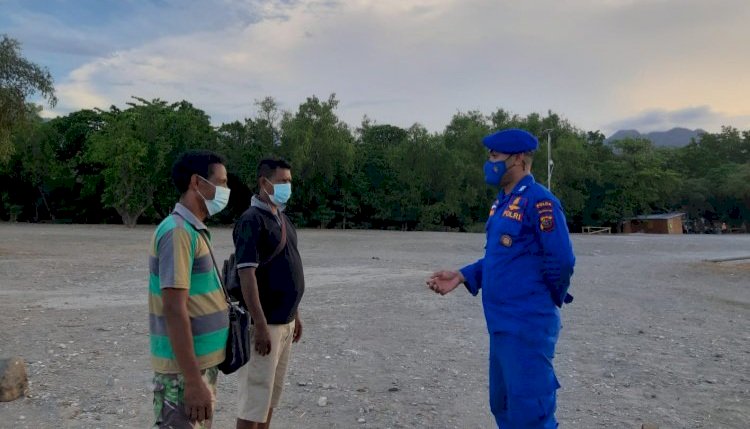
(268, 166)
(198, 162)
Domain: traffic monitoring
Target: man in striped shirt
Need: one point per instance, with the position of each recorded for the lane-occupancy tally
(187, 309)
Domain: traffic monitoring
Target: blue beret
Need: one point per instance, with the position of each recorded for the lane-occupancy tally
(511, 141)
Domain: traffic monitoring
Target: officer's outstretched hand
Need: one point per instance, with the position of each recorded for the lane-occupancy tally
(444, 282)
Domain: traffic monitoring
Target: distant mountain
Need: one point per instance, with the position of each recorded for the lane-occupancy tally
(624, 134)
(676, 137)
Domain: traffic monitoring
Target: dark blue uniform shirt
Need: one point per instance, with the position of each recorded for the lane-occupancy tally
(525, 273)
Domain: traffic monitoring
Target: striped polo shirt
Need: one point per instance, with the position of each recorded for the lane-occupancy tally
(180, 259)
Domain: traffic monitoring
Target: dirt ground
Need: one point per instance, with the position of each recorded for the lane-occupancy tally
(655, 333)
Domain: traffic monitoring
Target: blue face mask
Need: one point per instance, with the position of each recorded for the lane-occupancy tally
(281, 193)
(494, 171)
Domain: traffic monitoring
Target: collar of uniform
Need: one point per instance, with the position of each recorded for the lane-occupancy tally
(186, 214)
(257, 202)
(520, 187)
(523, 184)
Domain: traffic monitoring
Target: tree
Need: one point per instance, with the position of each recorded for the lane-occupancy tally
(245, 144)
(637, 181)
(32, 166)
(137, 147)
(321, 150)
(19, 79)
(378, 170)
(102, 166)
(715, 167)
(468, 197)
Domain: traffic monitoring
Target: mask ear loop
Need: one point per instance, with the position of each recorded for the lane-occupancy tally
(201, 194)
(264, 189)
(512, 166)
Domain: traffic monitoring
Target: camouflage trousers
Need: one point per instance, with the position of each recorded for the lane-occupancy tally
(169, 405)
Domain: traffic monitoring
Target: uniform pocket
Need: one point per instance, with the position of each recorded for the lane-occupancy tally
(508, 231)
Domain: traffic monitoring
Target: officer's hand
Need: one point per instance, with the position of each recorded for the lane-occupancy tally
(444, 282)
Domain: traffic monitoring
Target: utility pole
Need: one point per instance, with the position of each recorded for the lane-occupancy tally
(549, 157)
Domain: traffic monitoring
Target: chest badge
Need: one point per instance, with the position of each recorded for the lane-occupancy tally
(506, 241)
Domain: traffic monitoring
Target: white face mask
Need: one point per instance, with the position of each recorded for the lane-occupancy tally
(220, 201)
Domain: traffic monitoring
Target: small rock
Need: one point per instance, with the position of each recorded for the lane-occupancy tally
(14, 382)
(71, 412)
(322, 401)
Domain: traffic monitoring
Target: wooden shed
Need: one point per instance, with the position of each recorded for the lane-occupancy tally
(666, 223)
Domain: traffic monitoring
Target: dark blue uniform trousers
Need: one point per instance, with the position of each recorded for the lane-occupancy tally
(522, 380)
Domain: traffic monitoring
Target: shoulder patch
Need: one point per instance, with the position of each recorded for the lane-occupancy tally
(547, 222)
(545, 209)
(544, 206)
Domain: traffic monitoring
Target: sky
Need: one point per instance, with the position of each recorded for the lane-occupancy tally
(605, 65)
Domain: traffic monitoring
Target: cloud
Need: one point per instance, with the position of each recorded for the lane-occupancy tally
(398, 62)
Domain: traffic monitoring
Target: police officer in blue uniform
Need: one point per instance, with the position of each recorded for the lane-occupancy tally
(524, 277)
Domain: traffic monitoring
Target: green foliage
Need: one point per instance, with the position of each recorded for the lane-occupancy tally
(321, 150)
(136, 148)
(19, 79)
(111, 166)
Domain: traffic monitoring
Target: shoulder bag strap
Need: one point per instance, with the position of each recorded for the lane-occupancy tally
(213, 259)
(282, 242)
(216, 267)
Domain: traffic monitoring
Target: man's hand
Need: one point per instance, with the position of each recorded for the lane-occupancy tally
(444, 282)
(297, 328)
(198, 400)
(262, 339)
